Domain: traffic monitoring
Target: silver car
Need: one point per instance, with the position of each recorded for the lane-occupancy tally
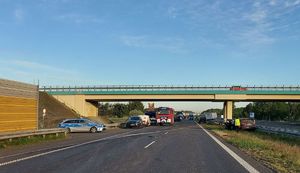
(81, 125)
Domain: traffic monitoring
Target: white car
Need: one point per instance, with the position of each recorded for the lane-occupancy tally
(145, 120)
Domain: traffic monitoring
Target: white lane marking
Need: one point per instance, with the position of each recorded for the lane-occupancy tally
(149, 144)
(166, 133)
(245, 164)
(52, 148)
(75, 146)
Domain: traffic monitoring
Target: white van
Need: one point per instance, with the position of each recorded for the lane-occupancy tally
(145, 119)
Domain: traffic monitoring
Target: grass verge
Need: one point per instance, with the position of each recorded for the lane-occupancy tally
(118, 120)
(31, 140)
(280, 152)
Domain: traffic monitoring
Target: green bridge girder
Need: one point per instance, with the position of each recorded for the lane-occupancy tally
(175, 92)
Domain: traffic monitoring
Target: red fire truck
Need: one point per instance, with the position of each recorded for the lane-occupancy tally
(165, 115)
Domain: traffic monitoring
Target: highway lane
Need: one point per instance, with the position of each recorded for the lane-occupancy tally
(182, 148)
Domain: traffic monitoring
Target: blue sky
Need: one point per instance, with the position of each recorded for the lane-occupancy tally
(169, 42)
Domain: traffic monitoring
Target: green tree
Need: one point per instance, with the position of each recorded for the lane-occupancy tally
(218, 111)
(136, 105)
(120, 110)
(135, 112)
(105, 109)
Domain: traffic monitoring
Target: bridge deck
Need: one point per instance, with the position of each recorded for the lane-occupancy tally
(170, 90)
(174, 92)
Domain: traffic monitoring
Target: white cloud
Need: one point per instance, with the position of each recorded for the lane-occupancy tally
(28, 71)
(273, 2)
(39, 66)
(292, 3)
(256, 23)
(79, 18)
(258, 16)
(255, 37)
(173, 45)
(19, 14)
(134, 41)
(172, 12)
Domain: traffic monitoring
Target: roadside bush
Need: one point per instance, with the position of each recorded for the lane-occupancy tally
(135, 112)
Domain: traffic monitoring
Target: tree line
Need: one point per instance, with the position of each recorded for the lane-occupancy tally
(287, 111)
(274, 111)
(121, 109)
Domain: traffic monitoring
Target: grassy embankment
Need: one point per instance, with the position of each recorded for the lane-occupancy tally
(281, 153)
(118, 120)
(31, 140)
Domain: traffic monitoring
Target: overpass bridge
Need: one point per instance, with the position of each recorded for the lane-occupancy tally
(85, 100)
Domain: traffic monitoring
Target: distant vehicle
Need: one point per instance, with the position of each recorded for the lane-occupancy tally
(191, 116)
(248, 124)
(209, 116)
(179, 116)
(238, 88)
(134, 121)
(81, 125)
(145, 120)
(165, 115)
(202, 119)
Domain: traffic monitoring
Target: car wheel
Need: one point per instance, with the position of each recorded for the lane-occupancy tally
(93, 130)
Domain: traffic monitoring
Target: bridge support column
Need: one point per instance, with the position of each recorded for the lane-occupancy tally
(228, 110)
(91, 109)
(79, 104)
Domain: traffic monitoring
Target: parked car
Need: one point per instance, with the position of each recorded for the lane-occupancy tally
(145, 120)
(247, 124)
(191, 117)
(81, 125)
(179, 116)
(202, 119)
(134, 121)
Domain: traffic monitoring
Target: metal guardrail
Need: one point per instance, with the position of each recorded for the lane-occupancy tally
(10, 136)
(162, 88)
(113, 125)
(279, 130)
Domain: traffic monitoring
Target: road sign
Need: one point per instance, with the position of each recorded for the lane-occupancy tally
(251, 114)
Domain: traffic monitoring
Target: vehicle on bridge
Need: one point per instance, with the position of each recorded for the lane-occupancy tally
(165, 115)
(238, 88)
(81, 125)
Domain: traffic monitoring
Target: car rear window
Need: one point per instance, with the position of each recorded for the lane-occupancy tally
(134, 118)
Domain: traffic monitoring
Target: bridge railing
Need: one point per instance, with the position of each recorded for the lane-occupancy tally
(162, 88)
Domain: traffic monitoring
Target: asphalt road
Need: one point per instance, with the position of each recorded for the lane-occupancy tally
(185, 147)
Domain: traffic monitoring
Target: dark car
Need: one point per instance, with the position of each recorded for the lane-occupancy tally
(179, 116)
(134, 121)
(152, 116)
(202, 119)
(247, 124)
(191, 117)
